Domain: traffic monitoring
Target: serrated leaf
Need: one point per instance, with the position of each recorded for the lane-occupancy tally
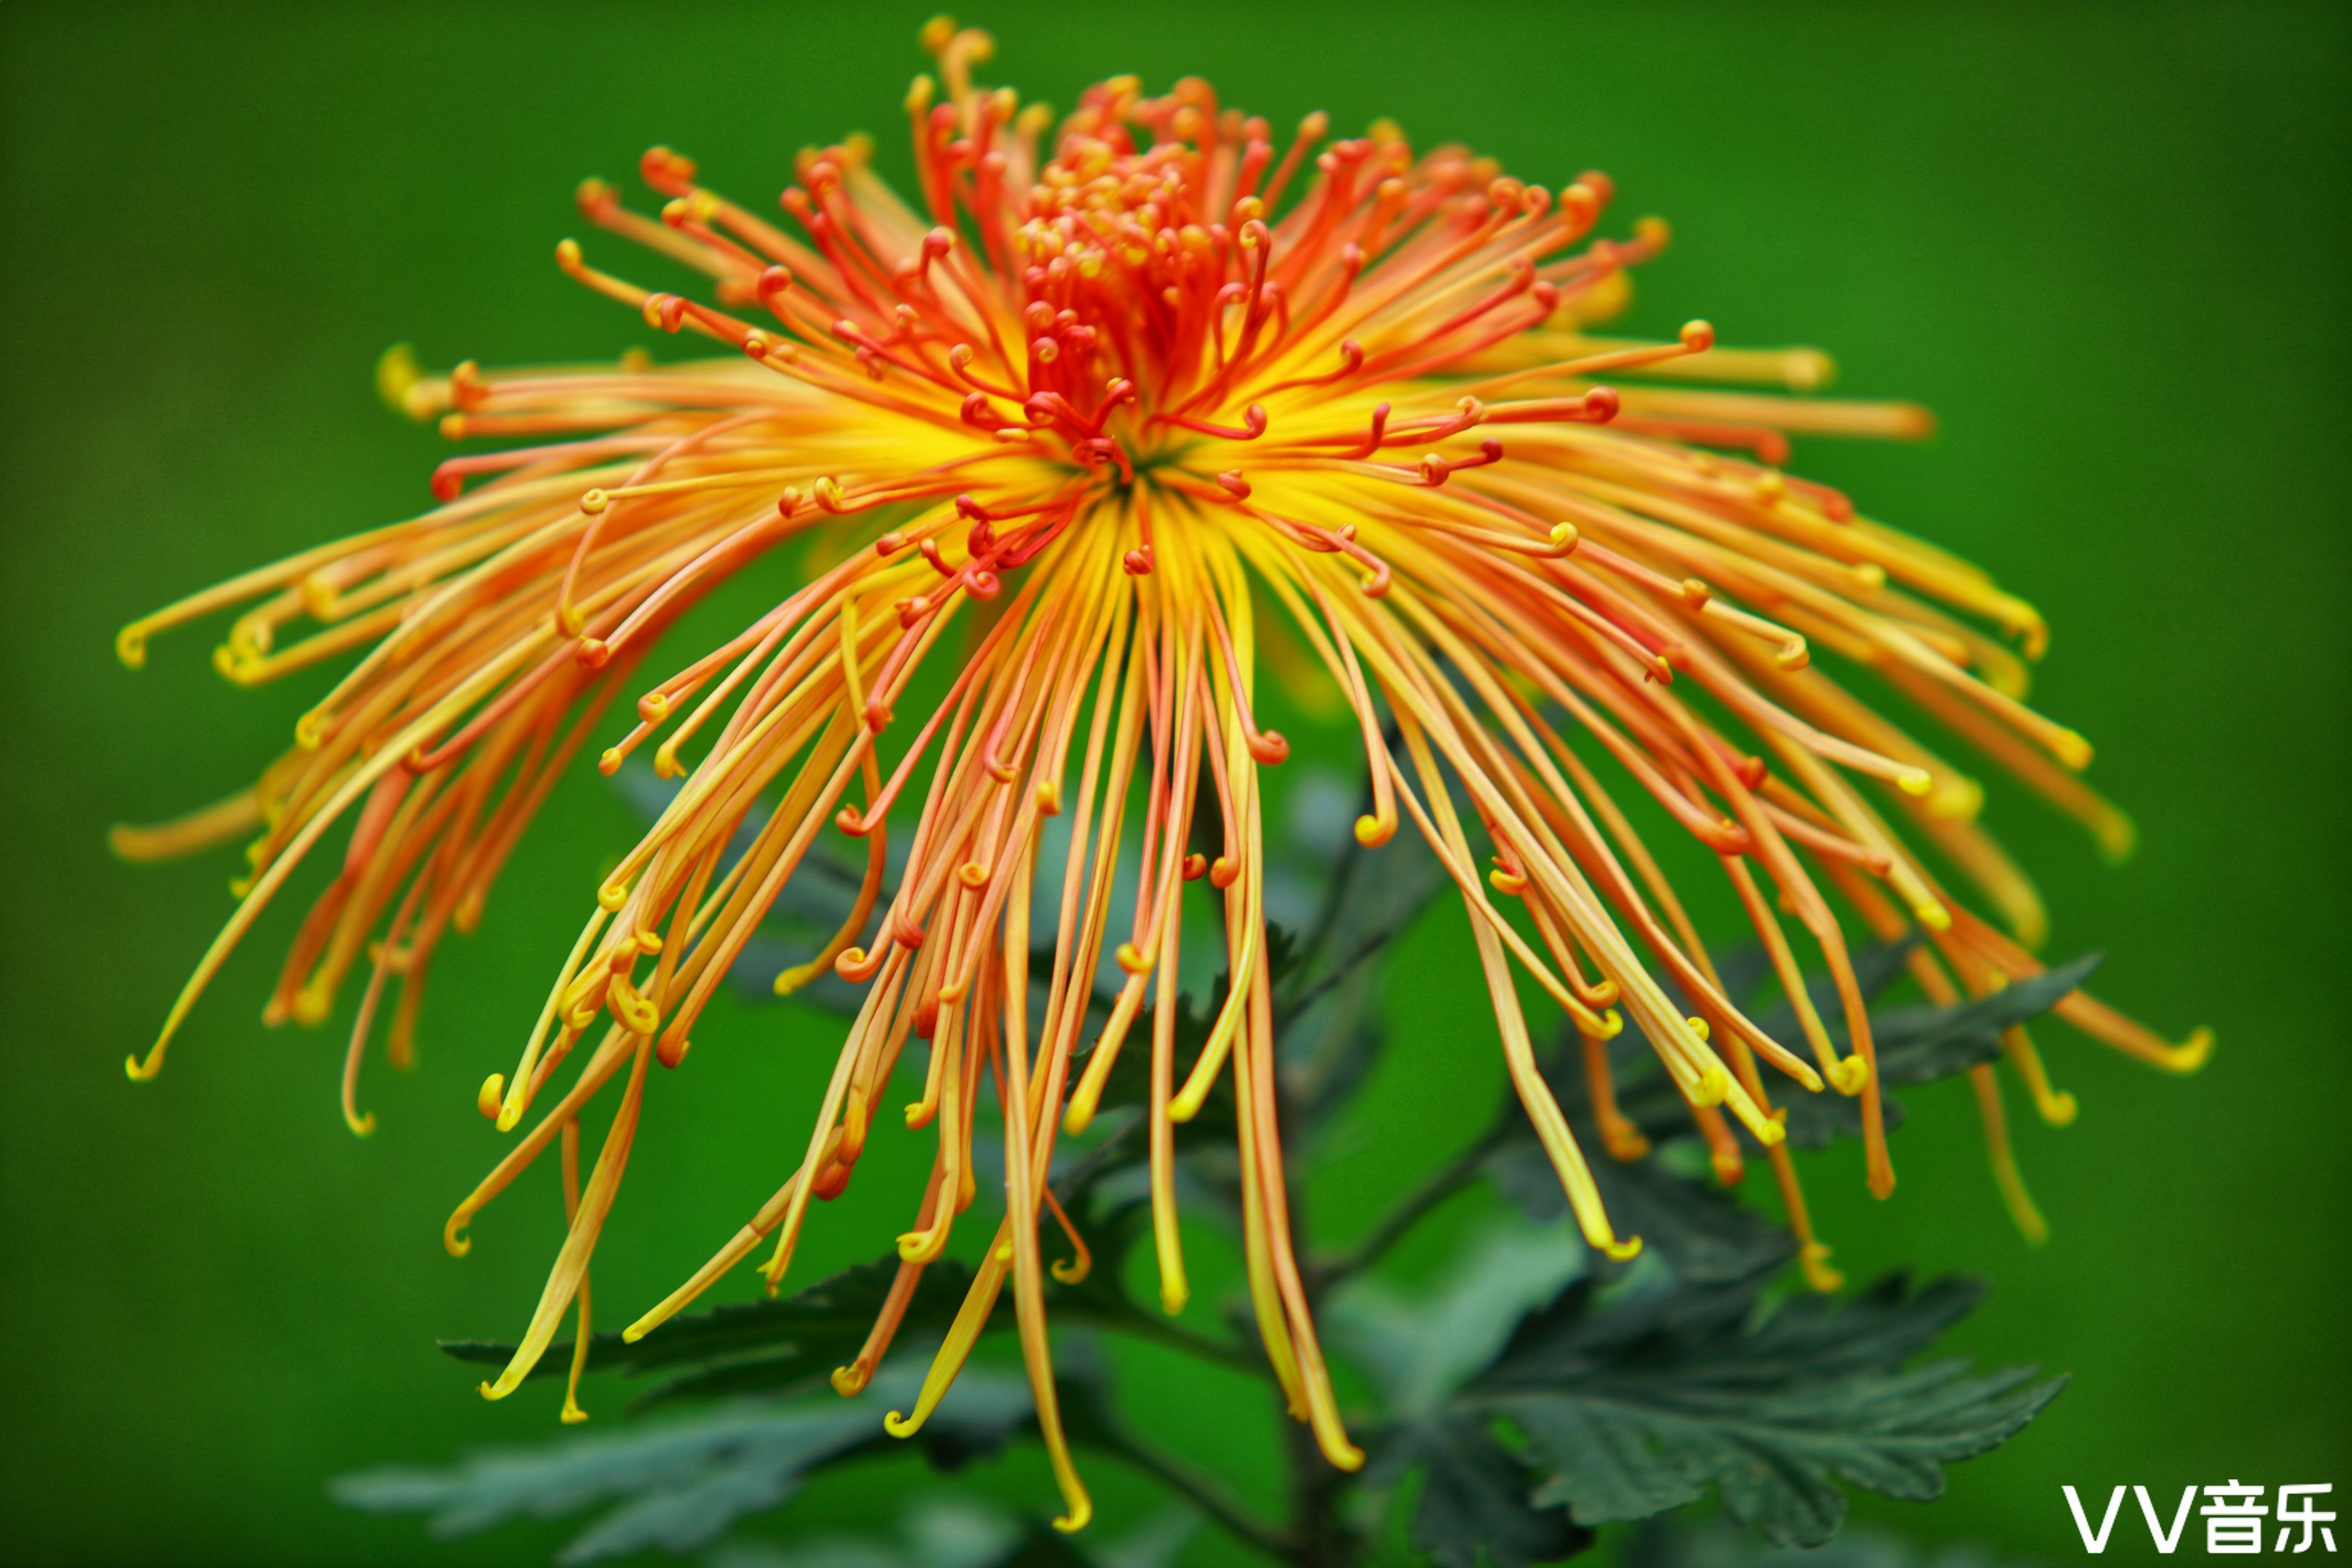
(1128, 1083)
(1475, 1506)
(1703, 1233)
(789, 1345)
(1925, 1044)
(1642, 1403)
(769, 1346)
(678, 1485)
(1419, 1346)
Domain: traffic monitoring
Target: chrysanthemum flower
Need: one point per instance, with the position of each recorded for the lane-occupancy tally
(1115, 406)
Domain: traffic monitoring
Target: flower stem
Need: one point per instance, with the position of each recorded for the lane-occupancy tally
(1416, 1207)
(1197, 1490)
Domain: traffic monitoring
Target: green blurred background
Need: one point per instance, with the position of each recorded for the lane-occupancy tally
(2108, 245)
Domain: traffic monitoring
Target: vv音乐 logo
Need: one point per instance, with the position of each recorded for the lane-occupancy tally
(2236, 1519)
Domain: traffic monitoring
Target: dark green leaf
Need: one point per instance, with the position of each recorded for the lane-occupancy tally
(1923, 1044)
(1129, 1082)
(778, 1345)
(789, 1345)
(1473, 1506)
(1703, 1234)
(678, 1485)
(1641, 1402)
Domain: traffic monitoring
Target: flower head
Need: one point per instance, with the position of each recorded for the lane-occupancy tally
(1117, 410)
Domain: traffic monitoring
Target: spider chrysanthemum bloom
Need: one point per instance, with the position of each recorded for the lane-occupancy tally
(1112, 406)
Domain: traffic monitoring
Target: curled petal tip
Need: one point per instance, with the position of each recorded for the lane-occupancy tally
(2191, 1054)
(1814, 1260)
(1623, 1251)
(1850, 1076)
(898, 1426)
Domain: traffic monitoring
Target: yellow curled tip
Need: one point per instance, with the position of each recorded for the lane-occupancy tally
(1080, 1513)
(492, 1092)
(130, 646)
(610, 899)
(493, 1390)
(312, 1005)
(572, 1415)
(1849, 1076)
(1698, 1026)
(1714, 1088)
(395, 372)
(360, 1126)
(1174, 1296)
(1371, 832)
(1623, 1140)
(2117, 835)
(849, 1380)
(2057, 1108)
(1774, 1131)
(1917, 782)
(1623, 1251)
(899, 1426)
(1934, 916)
(1338, 1452)
(2190, 1054)
(1070, 1270)
(139, 1068)
(1818, 1275)
(2072, 748)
